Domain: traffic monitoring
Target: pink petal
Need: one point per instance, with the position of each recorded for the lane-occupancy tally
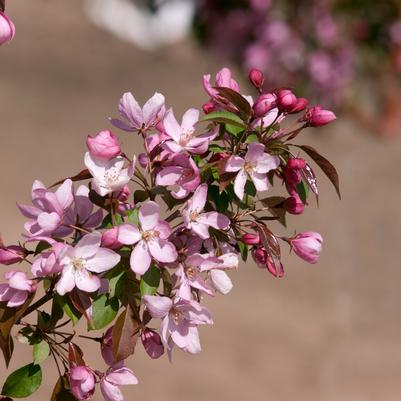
(169, 175)
(110, 392)
(66, 282)
(149, 214)
(31, 212)
(17, 299)
(121, 376)
(64, 194)
(234, 164)
(140, 258)
(214, 219)
(128, 234)
(189, 119)
(255, 152)
(171, 126)
(158, 307)
(94, 220)
(86, 281)
(266, 163)
(104, 259)
(260, 180)
(19, 281)
(6, 292)
(201, 229)
(193, 342)
(49, 221)
(121, 125)
(88, 245)
(152, 108)
(221, 281)
(162, 250)
(164, 229)
(198, 200)
(130, 109)
(239, 184)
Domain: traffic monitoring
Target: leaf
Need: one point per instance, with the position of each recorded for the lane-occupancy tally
(104, 311)
(221, 200)
(150, 281)
(125, 335)
(140, 196)
(167, 282)
(225, 117)
(270, 243)
(324, 164)
(75, 355)
(302, 190)
(133, 216)
(69, 309)
(234, 130)
(40, 352)
(42, 246)
(82, 175)
(311, 180)
(243, 250)
(83, 303)
(23, 382)
(215, 148)
(237, 100)
(108, 223)
(61, 391)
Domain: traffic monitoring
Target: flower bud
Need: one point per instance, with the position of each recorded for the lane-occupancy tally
(109, 239)
(82, 382)
(7, 29)
(250, 239)
(307, 245)
(286, 100)
(264, 103)
(104, 145)
(143, 160)
(208, 107)
(256, 77)
(259, 256)
(152, 343)
(296, 163)
(294, 205)
(317, 116)
(271, 268)
(300, 104)
(11, 254)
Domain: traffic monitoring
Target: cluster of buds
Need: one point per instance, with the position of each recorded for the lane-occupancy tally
(137, 248)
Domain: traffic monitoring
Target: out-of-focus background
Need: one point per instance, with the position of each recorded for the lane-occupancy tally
(327, 332)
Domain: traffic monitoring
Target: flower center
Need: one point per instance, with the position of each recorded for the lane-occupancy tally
(194, 216)
(186, 136)
(176, 315)
(191, 272)
(149, 235)
(249, 167)
(111, 175)
(78, 263)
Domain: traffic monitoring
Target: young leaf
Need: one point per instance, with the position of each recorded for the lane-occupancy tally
(237, 100)
(69, 309)
(243, 250)
(150, 281)
(167, 282)
(302, 190)
(40, 352)
(225, 117)
(75, 355)
(310, 178)
(23, 382)
(104, 310)
(82, 175)
(61, 391)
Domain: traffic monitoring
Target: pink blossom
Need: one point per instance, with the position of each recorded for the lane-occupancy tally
(152, 343)
(255, 165)
(286, 100)
(49, 210)
(183, 136)
(138, 118)
(7, 29)
(256, 78)
(179, 320)
(48, 263)
(294, 204)
(80, 262)
(223, 79)
(110, 239)
(180, 170)
(82, 382)
(108, 175)
(307, 245)
(16, 292)
(250, 239)
(200, 222)
(104, 145)
(11, 254)
(117, 375)
(317, 116)
(263, 104)
(151, 239)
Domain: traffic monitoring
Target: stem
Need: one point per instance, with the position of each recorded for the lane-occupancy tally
(47, 297)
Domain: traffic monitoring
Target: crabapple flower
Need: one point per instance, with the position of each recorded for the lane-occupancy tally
(16, 292)
(183, 136)
(255, 164)
(47, 263)
(139, 119)
(110, 239)
(317, 116)
(294, 204)
(200, 222)
(82, 382)
(108, 175)
(7, 29)
(180, 170)
(263, 104)
(307, 245)
(151, 239)
(117, 375)
(152, 343)
(179, 320)
(223, 79)
(11, 254)
(104, 145)
(80, 262)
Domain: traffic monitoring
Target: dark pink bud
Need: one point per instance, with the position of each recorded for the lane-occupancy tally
(250, 239)
(272, 269)
(256, 77)
(143, 160)
(12, 254)
(296, 163)
(264, 103)
(317, 116)
(294, 205)
(286, 100)
(208, 107)
(300, 104)
(109, 239)
(104, 145)
(7, 29)
(259, 256)
(152, 343)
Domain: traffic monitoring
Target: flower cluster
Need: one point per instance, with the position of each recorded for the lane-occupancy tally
(136, 249)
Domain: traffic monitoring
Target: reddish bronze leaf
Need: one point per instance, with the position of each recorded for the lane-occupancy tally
(61, 391)
(270, 243)
(83, 304)
(311, 179)
(75, 355)
(82, 175)
(237, 100)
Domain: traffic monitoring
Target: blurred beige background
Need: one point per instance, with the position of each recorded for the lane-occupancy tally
(329, 332)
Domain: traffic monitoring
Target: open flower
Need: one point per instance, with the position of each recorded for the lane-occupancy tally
(184, 135)
(16, 292)
(117, 375)
(255, 165)
(108, 175)
(151, 239)
(139, 118)
(200, 222)
(179, 320)
(80, 262)
(82, 382)
(223, 79)
(48, 263)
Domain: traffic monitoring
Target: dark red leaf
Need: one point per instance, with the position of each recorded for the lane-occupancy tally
(237, 100)
(75, 355)
(225, 180)
(82, 303)
(311, 179)
(82, 175)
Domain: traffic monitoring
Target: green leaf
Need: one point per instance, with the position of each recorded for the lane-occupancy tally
(234, 130)
(225, 117)
(251, 138)
(61, 391)
(40, 352)
(167, 282)
(42, 246)
(303, 191)
(243, 250)
(250, 188)
(150, 281)
(216, 148)
(104, 311)
(23, 382)
(221, 200)
(114, 277)
(69, 309)
(133, 216)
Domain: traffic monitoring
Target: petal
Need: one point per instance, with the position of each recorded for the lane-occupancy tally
(255, 152)
(260, 180)
(201, 229)
(86, 281)
(19, 281)
(221, 281)
(104, 259)
(66, 282)
(121, 376)
(234, 164)
(49, 221)
(128, 234)
(164, 229)
(17, 299)
(88, 245)
(130, 109)
(149, 215)
(193, 346)
(152, 108)
(169, 175)
(31, 212)
(140, 258)
(171, 126)
(239, 183)
(266, 163)
(162, 250)
(110, 392)
(158, 307)
(64, 194)
(6, 292)
(198, 200)
(214, 219)
(189, 119)
(94, 220)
